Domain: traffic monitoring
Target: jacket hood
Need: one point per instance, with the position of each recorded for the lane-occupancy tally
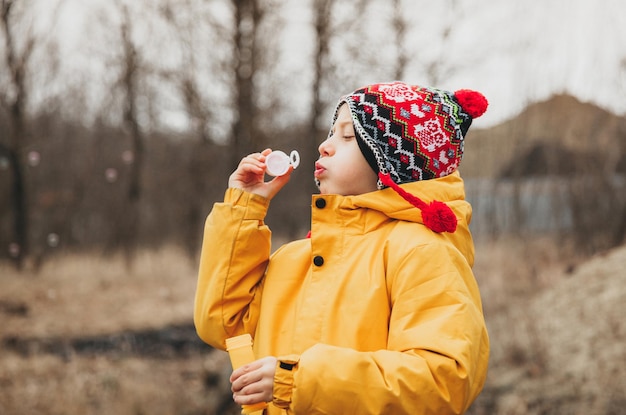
(449, 190)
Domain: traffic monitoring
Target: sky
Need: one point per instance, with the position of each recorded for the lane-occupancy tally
(514, 52)
(553, 46)
(519, 52)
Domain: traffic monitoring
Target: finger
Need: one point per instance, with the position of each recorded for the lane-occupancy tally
(257, 160)
(246, 383)
(257, 392)
(251, 399)
(241, 374)
(277, 183)
(252, 166)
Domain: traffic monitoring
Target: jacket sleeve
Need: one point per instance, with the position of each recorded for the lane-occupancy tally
(235, 252)
(437, 351)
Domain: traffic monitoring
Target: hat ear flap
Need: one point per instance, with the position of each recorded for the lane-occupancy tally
(436, 215)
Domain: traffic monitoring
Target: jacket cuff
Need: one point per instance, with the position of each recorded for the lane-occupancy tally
(255, 205)
(286, 367)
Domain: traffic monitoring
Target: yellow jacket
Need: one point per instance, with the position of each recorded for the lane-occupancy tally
(379, 314)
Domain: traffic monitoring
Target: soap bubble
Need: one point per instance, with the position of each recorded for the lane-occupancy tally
(53, 240)
(14, 249)
(34, 158)
(128, 157)
(110, 175)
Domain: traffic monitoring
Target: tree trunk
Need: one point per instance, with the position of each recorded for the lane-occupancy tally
(322, 13)
(17, 62)
(129, 82)
(247, 18)
(20, 247)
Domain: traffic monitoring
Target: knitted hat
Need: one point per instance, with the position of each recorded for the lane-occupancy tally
(409, 133)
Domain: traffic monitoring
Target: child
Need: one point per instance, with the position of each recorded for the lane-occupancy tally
(377, 311)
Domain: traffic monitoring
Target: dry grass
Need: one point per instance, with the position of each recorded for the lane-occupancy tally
(88, 294)
(555, 323)
(513, 268)
(98, 385)
(557, 333)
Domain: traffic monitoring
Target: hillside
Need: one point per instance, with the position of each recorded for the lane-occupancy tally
(562, 122)
(562, 351)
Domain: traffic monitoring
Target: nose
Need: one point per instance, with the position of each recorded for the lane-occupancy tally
(325, 148)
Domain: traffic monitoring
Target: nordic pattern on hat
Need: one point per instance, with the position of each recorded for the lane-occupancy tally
(410, 132)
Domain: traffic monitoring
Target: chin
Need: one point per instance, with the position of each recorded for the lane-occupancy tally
(323, 190)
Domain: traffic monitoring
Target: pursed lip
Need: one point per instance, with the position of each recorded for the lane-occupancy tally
(319, 169)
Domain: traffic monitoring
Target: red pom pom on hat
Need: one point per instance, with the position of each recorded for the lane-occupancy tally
(472, 102)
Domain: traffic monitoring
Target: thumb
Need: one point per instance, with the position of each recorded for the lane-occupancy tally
(277, 183)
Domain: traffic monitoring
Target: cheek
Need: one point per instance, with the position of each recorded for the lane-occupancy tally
(361, 177)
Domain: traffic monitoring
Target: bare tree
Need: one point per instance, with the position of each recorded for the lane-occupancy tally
(128, 93)
(189, 28)
(322, 12)
(129, 84)
(399, 28)
(248, 15)
(17, 58)
(440, 67)
(325, 76)
(250, 56)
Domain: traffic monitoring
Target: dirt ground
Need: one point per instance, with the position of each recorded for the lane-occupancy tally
(73, 336)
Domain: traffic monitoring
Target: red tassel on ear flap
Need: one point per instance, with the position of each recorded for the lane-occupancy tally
(437, 216)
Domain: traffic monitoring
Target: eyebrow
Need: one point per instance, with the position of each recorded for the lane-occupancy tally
(343, 123)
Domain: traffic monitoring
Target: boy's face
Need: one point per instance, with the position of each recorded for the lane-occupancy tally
(342, 168)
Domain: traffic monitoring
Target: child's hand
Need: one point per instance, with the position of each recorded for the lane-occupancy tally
(250, 175)
(254, 382)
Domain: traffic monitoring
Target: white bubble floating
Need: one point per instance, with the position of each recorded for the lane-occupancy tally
(128, 157)
(14, 249)
(53, 240)
(110, 175)
(277, 162)
(34, 158)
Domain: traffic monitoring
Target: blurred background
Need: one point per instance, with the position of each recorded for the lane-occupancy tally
(120, 122)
